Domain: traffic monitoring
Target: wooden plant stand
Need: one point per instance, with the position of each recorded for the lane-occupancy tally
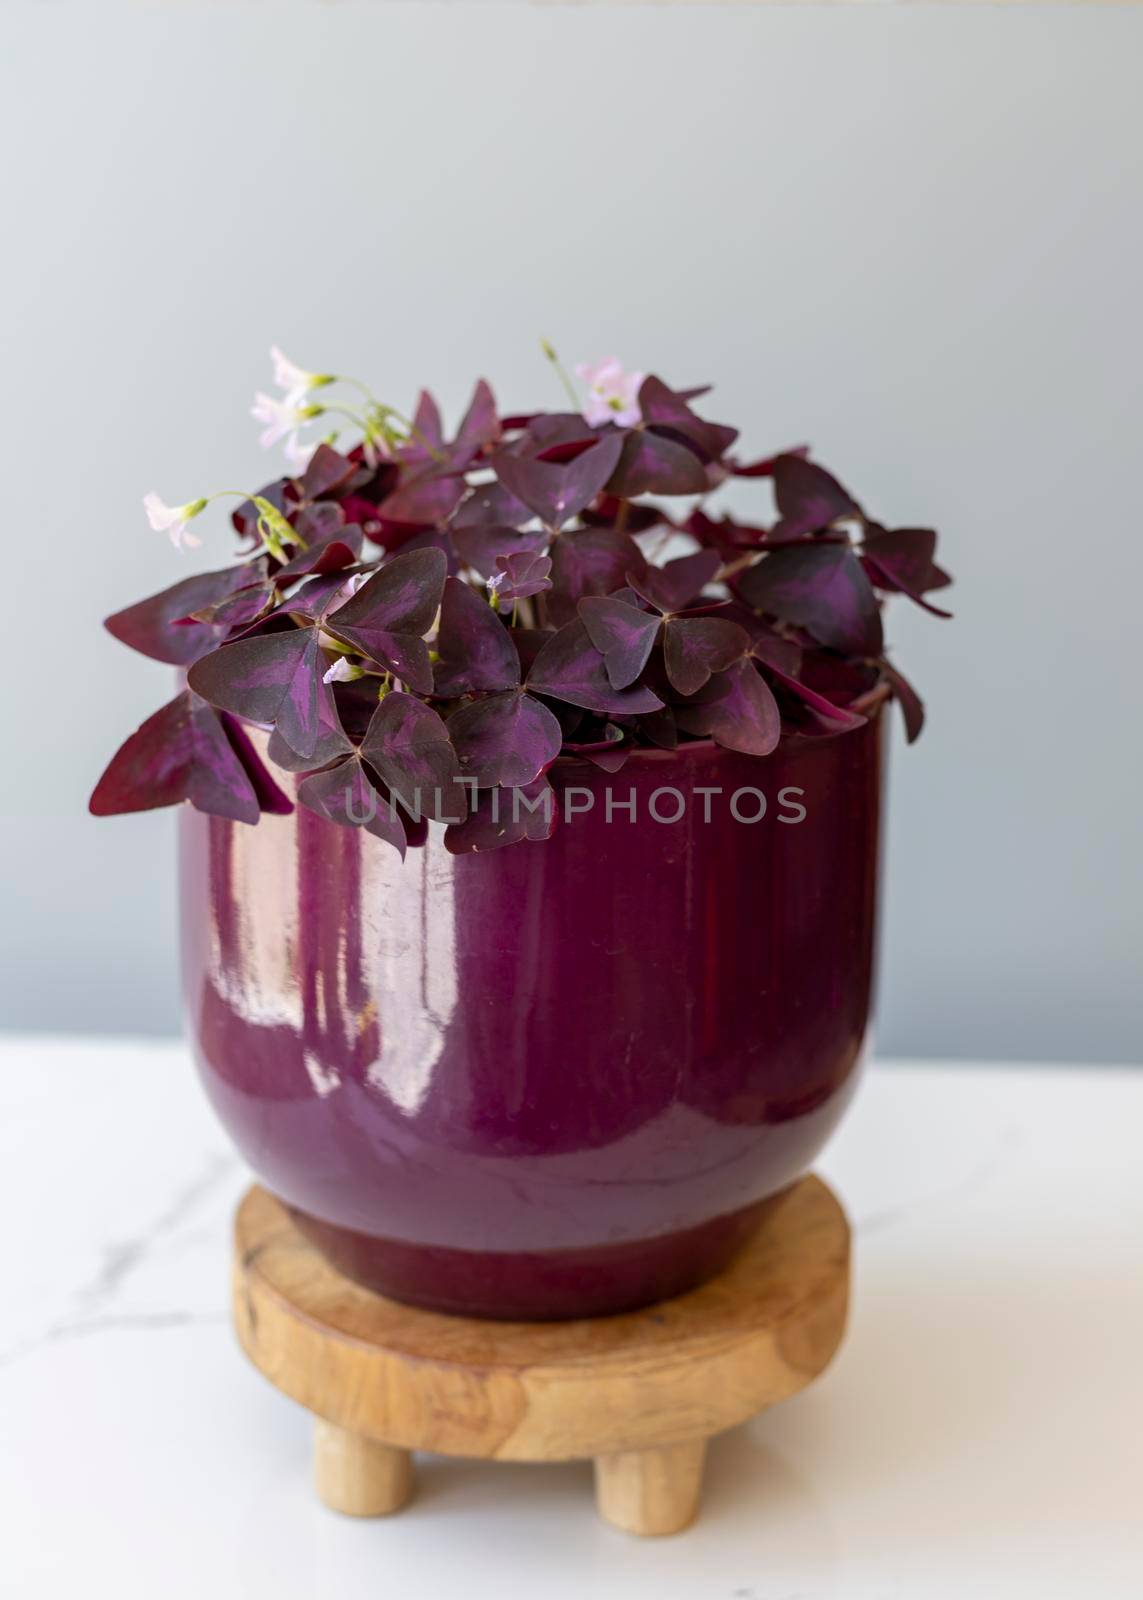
(639, 1393)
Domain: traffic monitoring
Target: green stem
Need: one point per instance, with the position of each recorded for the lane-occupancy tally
(562, 374)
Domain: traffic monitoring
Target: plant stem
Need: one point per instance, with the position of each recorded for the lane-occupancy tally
(563, 377)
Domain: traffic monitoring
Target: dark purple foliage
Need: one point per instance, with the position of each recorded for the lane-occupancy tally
(521, 575)
(822, 588)
(476, 652)
(653, 464)
(809, 499)
(407, 745)
(161, 626)
(510, 616)
(180, 753)
(694, 647)
(623, 635)
(675, 586)
(558, 491)
(912, 706)
(482, 545)
(325, 553)
(505, 816)
(570, 668)
(505, 739)
(589, 561)
(737, 710)
(387, 618)
(667, 414)
(326, 472)
(902, 559)
(276, 680)
(347, 795)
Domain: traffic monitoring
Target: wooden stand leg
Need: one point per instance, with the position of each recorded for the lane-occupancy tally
(650, 1491)
(357, 1476)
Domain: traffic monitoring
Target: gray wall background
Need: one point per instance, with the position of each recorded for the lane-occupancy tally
(910, 236)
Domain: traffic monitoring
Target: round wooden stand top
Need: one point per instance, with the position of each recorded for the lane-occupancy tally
(668, 1375)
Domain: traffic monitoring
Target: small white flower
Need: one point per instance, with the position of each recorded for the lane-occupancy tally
(173, 519)
(612, 394)
(342, 671)
(281, 417)
(295, 380)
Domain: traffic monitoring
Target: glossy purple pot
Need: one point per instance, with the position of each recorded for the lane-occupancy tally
(557, 1079)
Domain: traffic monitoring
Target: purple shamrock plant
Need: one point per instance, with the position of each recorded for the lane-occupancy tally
(421, 625)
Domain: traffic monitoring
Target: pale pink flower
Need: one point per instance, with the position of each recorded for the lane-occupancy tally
(295, 380)
(612, 394)
(281, 418)
(173, 520)
(342, 671)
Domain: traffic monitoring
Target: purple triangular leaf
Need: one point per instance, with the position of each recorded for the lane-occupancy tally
(766, 645)
(809, 498)
(521, 575)
(326, 470)
(428, 426)
(313, 598)
(480, 426)
(822, 588)
(505, 816)
(272, 679)
(663, 408)
(901, 559)
(387, 618)
(557, 436)
(403, 597)
(326, 553)
(737, 710)
(491, 505)
(651, 464)
(315, 520)
(476, 651)
(556, 492)
(504, 739)
(589, 561)
(237, 610)
(623, 635)
(408, 746)
(570, 668)
(155, 626)
(330, 742)
(694, 647)
(674, 586)
(346, 795)
(180, 753)
(425, 501)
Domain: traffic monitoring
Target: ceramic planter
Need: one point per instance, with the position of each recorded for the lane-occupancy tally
(557, 1079)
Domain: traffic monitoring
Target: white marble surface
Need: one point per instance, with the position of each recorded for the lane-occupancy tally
(980, 1433)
